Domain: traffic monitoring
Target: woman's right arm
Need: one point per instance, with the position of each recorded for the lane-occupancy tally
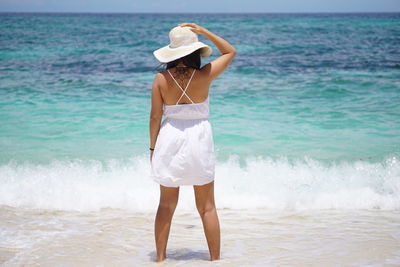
(218, 65)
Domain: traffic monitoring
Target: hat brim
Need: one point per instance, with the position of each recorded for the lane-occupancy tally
(166, 54)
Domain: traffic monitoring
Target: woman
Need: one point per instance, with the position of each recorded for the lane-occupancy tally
(182, 144)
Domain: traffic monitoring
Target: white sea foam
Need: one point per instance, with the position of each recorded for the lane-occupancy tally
(258, 183)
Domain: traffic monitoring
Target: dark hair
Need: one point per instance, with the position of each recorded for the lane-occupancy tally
(192, 60)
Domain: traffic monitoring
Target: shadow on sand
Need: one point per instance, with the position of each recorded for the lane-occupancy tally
(184, 254)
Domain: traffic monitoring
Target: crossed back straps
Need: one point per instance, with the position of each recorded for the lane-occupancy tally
(183, 90)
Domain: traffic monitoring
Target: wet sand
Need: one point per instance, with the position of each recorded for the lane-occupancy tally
(248, 237)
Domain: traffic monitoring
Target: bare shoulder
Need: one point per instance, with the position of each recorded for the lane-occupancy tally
(205, 72)
(217, 66)
(160, 77)
(206, 69)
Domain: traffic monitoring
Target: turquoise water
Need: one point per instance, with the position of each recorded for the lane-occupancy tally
(305, 92)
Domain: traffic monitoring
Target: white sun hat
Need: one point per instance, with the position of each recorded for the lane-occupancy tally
(182, 42)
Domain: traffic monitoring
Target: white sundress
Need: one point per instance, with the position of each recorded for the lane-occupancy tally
(184, 149)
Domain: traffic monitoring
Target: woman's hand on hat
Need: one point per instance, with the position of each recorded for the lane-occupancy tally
(193, 27)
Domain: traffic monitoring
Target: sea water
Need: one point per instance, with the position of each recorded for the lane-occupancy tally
(306, 124)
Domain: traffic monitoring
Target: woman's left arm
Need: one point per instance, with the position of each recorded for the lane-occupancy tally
(156, 111)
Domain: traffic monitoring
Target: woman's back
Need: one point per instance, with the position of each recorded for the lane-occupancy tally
(191, 110)
(176, 77)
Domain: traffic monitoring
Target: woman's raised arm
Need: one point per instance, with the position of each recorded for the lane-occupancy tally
(218, 65)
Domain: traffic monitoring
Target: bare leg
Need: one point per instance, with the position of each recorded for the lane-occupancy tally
(206, 206)
(166, 209)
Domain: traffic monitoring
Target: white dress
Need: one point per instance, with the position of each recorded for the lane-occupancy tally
(184, 149)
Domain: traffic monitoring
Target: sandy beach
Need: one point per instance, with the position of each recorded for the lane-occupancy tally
(114, 237)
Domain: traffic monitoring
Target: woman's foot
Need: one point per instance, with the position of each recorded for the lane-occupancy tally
(214, 258)
(160, 258)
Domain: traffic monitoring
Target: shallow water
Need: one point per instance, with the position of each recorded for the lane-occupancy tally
(261, 237)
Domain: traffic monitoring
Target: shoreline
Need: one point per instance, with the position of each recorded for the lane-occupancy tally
(249, 237)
